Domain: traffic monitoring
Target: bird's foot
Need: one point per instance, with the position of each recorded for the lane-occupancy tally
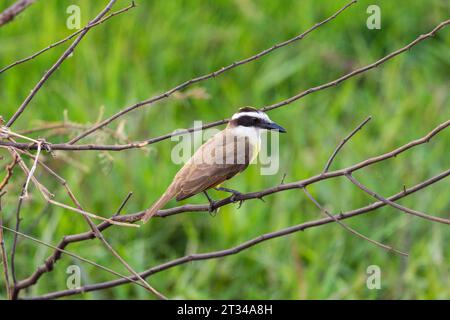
(212, 208)
(234, 195)
(212, 205)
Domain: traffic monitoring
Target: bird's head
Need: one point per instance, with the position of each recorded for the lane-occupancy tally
(251, 117)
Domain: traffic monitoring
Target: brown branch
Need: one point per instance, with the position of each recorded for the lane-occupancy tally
(247, 244)
(62, 127)
(395, 205)
(343, 142)
(141, 144)
(96, 232)
(351, 230)
(47, 195)
(293, 185)
(16, 289)
(132, 5)
(207, 76)
(9, 172)
(71, 254)
(51, 260)
(360, 70)
(14, 10)
(56, 65)
(3, 251)
(322, 209)
(100, 236)
(17, 227)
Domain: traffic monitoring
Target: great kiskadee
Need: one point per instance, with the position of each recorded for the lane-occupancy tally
(220, 158)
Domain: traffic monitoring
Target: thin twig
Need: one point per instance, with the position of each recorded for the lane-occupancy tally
(395, 205)
(42, 189)
(47, 196)
(3, 252)
(351, 230)
(360, 70)
(91, 215)
(122, 205)
(69, 253)
(243, 246)
(255, 195)
(343, 142)
(294, 185)
(33, 168)
(9, 172)
(7, 133)
(325, 170)
(220, 122)
(100, 236)
(17, 227)
(94, 228)
(132, 5)
(207, 76)
(57, 127)
(56, 65)
(16, 290)
(94, 147)
(14, 10)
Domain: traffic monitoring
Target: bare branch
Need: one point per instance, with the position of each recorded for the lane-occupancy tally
(9, 172)
(94, 147)
(132, 5)
(247, 244)
(33, 168)
(3, 251)
(14, 10)
(100, 236)
(327, 166)
(123, 204)
(18, 233)
(17, 227)
(27, 143)
(205, 77)
(351, 230)
(395, 205)
(253, 195)
(89, 214)
(220, 122)
(47, 196)
(360, 70)
(57, 64)
(93, 227)
(343, 142)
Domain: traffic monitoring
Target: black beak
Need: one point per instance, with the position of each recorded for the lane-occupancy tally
(273, 126)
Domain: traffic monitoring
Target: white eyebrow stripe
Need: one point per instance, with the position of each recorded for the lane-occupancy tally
(260, 115)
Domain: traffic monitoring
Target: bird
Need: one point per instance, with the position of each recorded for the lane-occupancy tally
(224, 155)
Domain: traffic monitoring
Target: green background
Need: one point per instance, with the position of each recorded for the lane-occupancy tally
(160, 44)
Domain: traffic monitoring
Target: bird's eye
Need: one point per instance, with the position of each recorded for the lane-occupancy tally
(256, 120)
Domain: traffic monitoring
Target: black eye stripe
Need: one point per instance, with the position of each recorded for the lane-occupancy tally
(247, 121)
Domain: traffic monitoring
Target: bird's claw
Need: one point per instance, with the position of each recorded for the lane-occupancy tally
(212, 208)
(234, 199)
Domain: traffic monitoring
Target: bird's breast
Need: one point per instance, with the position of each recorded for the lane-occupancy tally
(252, 138)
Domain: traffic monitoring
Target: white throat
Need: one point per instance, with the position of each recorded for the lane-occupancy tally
(252, 133)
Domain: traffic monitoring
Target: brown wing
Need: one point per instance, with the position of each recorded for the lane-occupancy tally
(219, 159)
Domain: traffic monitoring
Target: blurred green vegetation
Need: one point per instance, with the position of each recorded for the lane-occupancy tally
(160, 44)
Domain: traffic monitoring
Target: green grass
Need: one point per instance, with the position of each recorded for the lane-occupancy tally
(160, 44)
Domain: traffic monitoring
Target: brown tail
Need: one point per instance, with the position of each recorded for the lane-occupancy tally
(166, 197)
